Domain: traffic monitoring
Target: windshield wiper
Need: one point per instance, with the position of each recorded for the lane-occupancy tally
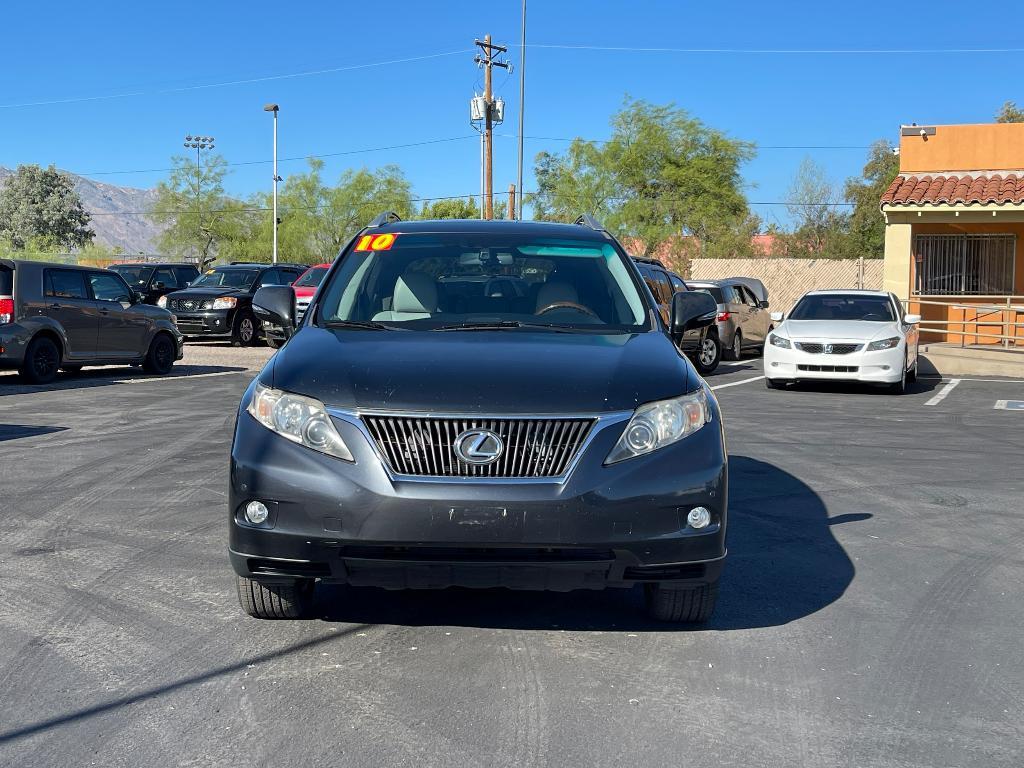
(367, 325)
(501, 324)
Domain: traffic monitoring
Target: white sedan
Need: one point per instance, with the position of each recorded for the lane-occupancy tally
(843, 336)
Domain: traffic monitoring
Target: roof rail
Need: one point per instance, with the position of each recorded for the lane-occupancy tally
(388, 217)
(586, 220)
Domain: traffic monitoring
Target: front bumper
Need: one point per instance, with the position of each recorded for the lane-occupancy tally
(353, 523)
(215, 322)
(877, 367)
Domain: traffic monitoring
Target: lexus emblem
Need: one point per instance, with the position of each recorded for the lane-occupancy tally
(828, 349)
(478, 446)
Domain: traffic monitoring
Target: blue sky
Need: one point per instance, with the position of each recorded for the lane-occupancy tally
(71, 53)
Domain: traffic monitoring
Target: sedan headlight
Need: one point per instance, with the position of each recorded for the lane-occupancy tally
(884, 344)
(779, 341)
(656, 425)
(225, 302)
(162, 302)
(300, 419)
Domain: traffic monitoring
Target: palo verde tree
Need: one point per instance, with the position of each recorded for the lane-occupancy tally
(40, 207)
(453, 208)
(663, 175)
(866, 223)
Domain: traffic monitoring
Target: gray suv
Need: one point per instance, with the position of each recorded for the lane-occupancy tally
(743, 320)
(60, 317)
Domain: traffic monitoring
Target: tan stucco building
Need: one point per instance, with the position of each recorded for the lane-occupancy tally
(954, 221)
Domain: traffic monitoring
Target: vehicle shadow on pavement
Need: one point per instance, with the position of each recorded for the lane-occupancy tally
(920, 386)
(18, 431)
(11, 384)
(783, 564)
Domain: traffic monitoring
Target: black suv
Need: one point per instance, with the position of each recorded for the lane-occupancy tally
(55, 316)
(702, 345)
(154, 280)
(480, 404)
(218, 304)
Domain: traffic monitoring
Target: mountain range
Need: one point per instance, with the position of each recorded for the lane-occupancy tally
(117, 213)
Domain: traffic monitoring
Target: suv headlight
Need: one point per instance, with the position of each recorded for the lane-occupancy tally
(225, 302)
(884, 344)
(656, 425)
(162, 302)
(779, 341)
(300, 419)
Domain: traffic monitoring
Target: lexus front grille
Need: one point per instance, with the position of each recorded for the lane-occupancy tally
(529, 448)
(828, 349)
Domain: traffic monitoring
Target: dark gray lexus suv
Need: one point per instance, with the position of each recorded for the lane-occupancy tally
(56, 316)
(480, 404)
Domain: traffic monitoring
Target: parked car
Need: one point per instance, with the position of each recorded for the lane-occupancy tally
(743, 321)
(844, 335)
(218, 304)
(304, 287)
(55, 316)
(700, 344)
(424, 428)
(154, 280)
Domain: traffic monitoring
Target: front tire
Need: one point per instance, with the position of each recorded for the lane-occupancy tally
(160, 358)
(246, 331)
(275, 601)
(41, 362)
(708, 356)
(900, 386)
(692, 604)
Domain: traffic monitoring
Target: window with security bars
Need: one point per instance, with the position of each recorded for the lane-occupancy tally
(964, 265)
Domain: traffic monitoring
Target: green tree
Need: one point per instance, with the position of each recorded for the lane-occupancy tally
(40, 206)
(866, 224)
(197, 217)
(819, 225)
(1010, 113)
(663, 175)
(455, 208)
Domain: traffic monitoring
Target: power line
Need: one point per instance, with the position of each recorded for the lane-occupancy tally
(244, 81)
(756, 146)
(779, 51)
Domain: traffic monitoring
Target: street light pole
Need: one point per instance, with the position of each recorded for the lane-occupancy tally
(199, 143)
(522, 109)
(275, 109)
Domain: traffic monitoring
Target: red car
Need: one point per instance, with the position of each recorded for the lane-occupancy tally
(304, 287)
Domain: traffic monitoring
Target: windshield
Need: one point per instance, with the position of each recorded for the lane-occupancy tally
(133, 275)
(715, 292)
(832, 306)
(227, 278)
(311, 277)
(453, 280)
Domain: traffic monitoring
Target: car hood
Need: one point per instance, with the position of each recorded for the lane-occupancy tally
(492, 372)
(205, 293)
(857, 330)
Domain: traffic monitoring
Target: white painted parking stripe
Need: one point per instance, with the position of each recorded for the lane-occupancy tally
(737, 383)
(944, 392)
(177, 378)
(1009, 405)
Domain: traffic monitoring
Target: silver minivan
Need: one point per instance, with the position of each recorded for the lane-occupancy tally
(743, 319)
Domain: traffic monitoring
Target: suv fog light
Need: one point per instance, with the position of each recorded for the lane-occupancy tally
(699, 517)
(256, 512)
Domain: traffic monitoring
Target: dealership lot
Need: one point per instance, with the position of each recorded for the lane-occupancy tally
(869, 616)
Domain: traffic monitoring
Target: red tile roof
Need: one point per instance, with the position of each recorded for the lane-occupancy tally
(955, 189)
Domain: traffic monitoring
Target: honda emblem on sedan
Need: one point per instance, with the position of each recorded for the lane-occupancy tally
(478, 446)
(828, 349)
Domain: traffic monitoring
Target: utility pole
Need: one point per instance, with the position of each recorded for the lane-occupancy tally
(522, 111)
(512, 203)
(488, 62)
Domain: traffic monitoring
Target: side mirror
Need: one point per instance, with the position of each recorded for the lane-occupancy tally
(275, 304)
(776, 317)
(912, 319)
(691, 309)
(764, 303)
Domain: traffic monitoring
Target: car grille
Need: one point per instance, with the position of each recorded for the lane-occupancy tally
(837, 349)
(423, 446)
(189, 305)
(829, 368)
(301, 305)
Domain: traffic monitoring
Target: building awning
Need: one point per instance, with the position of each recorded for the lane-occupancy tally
(979, 188)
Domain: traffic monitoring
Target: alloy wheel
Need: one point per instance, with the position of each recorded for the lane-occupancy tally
(707, 352)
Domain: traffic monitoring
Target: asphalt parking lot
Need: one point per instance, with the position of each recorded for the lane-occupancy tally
(870, 613)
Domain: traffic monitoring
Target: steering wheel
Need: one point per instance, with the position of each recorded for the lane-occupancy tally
(567, 305)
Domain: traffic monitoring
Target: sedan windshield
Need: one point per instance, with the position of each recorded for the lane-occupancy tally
(227, 278)
(838, 306)
(311, 277)
(134, 275)
(464, 281)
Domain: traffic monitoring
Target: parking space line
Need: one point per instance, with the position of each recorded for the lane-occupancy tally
(1009, 405)
(944, 392)
(737, 383)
